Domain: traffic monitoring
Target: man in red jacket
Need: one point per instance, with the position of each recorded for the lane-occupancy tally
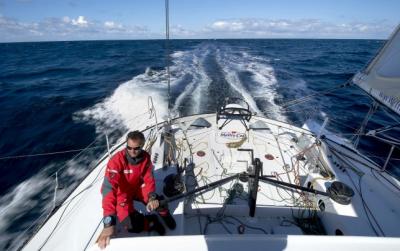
(129, 177)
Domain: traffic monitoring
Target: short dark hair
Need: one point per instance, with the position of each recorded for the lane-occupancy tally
(135, 135)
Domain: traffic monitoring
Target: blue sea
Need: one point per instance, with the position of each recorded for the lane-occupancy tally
(64, 96)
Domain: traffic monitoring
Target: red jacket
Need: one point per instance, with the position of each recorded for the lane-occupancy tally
(124, 182)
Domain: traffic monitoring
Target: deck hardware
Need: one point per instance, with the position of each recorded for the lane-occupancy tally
(338, 191)
(229, 113)
(241, 229)
(321, 205)
(244, 177)
(338, 232)
(253, 186)
(300, 157)
(269, 156)
(199, 189)
(201, 153)
(173, 185)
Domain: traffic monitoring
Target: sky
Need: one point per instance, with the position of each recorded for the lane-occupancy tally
(64, 20)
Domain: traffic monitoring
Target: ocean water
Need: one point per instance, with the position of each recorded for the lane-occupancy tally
(62, 96)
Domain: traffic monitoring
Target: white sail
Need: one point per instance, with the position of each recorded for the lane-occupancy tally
(381, 79)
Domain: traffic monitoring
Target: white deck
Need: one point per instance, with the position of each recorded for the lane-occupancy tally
(77, 223)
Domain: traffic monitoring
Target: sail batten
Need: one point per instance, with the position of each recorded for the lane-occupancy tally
(381, 78)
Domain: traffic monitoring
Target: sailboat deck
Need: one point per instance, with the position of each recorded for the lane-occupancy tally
(208, 154)
(210, 157)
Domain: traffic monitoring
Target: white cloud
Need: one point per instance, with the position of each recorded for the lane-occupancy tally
(228, 26)
(66, 19)
(67, 28)
(220, 25)
(83, 28)
(180, 31)
(303, 28)
(80, 21)
(109, 24)
(113, 25)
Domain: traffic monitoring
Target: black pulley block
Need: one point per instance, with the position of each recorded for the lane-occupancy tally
(173, 185)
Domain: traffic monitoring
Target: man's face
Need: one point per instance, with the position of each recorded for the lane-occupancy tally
(134, 147)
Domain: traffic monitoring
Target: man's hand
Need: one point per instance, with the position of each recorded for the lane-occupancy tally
(105, 235)
(152, 205)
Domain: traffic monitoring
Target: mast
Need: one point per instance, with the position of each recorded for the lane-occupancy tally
(167, 57)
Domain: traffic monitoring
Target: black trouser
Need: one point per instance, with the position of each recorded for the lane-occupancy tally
(134, 223)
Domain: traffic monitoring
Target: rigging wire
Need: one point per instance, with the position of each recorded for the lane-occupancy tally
(48, 153)
(309, 97)
(373, 108)
(391, 141)
(80, 150)
(384, 128)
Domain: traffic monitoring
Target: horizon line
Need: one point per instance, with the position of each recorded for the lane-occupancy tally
(171, 39)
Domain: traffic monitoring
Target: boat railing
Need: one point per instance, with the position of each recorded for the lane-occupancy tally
(83, 162)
